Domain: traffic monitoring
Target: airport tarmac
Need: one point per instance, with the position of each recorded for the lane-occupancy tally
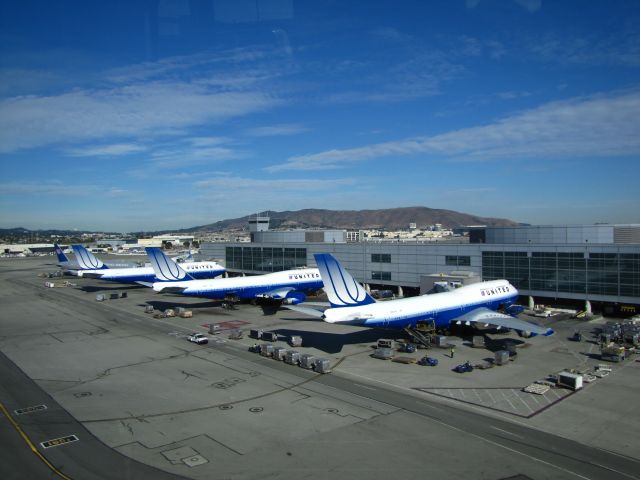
(219, 411)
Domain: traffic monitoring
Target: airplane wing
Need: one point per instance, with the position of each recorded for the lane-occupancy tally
(145, 284)
(484, 315)
(312, 312)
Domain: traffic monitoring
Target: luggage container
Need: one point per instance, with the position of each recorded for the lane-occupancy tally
(266, 350)
(383, 353)
(502, 357)
(292, 357)
(385, 343)
(306, 360)
(114, 295)
(279, 353)
(148, 309)
(180, 310)
(440, 341)
(322, 365)
(235, 334)
(169, 312)
(101, 297)
(186, 314)
(255, 333)
(478, 341)
(269, 336)
(214, 329)
(295, 341)
(124, 295)
(568, 380)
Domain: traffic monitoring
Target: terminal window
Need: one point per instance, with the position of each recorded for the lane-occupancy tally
(381, 257)
(380, 275)
(265, 259)
(457, 260)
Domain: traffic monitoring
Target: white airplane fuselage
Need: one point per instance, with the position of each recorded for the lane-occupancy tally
(440, 308)
(246, 287)
(147, 274)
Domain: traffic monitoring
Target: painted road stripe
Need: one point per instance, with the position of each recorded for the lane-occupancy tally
(36, 408)
(56, 442)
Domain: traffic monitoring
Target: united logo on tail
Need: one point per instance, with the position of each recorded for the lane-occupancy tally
(166, 269)
(87, 260)
(341, 287)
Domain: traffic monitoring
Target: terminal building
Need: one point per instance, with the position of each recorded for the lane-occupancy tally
(578, 265)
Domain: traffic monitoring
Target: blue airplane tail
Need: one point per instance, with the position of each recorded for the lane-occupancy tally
(62, 258)
(87, 260)
(166, 270)
(341, 287)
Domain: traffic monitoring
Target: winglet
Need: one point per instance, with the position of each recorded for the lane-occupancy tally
(87, 260)
(341, 288)
(166, 269)
(62, 258)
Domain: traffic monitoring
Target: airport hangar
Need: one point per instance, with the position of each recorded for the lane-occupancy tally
(577, 265)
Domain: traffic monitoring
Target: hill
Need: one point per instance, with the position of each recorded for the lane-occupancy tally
(387, 219)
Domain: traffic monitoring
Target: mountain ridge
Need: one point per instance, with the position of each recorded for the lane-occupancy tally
(384, 219)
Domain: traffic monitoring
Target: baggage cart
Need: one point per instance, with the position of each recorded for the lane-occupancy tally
(306, 360)
(295, 341)
(266, 349)
(292, 357)
(502, 357)
(279, 353)
(269, 336)
(255, 333)
(322, 365)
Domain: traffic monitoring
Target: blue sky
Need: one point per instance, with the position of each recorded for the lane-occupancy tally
(127, 116)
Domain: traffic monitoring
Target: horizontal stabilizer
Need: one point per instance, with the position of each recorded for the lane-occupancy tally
(172, 289)
(92, 275)
(312, 312)
(486, 316)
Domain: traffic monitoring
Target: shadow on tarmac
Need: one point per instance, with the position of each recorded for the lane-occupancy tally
(163, 305)
(109, 288)
(333, 342)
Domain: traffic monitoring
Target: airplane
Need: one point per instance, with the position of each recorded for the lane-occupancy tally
(288, 286)
(92, 267)
(478, 303)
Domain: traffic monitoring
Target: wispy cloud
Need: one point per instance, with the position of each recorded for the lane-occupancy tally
(135, 110)
(231, 183)
(277, 130)
(114, 150)
(54, 188)
(620, 48)
(595, 126)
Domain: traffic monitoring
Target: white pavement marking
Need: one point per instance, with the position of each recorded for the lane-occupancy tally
(508, 433)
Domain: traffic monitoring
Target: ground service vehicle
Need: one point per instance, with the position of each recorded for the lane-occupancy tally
(198, 338)
(429, 361)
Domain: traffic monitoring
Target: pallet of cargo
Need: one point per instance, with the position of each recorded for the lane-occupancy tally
(405, 360)
(536, 388)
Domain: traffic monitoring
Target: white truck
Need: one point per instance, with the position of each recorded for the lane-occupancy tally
(198, 338)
